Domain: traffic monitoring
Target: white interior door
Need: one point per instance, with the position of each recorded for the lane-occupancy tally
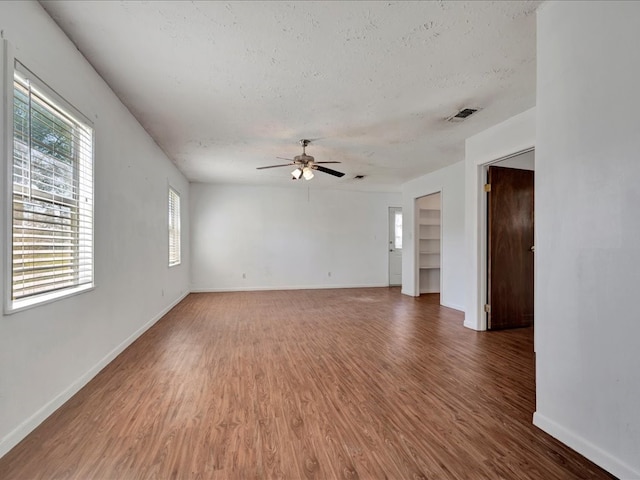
(395, 246)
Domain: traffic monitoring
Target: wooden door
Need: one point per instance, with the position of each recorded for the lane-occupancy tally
(510, 252)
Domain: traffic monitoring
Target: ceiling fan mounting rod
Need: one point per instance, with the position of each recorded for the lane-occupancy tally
(304, 142)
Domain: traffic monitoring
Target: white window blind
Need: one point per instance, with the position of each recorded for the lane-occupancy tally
(52, 248)
(174, 227)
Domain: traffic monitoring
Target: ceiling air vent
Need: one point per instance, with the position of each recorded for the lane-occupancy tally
(462, 114)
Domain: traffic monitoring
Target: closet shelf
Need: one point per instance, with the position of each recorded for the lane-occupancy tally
(428, 263)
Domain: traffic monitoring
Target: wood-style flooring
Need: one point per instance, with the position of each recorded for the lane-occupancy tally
(326, 384)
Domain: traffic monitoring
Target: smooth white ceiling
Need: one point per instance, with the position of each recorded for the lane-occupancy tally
(225, 87)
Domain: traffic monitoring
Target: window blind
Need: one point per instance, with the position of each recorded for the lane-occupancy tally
(52, 184)
(174, 227)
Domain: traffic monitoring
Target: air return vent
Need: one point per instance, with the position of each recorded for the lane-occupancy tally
(462, 114)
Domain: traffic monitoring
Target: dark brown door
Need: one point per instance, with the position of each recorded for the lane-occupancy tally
(510, 252)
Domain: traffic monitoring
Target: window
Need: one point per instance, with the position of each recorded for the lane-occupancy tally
(398, 230)
(174, 227)
(52, 195)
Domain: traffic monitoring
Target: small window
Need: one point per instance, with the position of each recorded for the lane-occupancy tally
(174, 227)
(52, 195)
(398, 231)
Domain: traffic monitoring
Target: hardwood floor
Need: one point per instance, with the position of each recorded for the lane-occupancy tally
(358, 383)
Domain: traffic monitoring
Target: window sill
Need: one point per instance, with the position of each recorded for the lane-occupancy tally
(38, 300)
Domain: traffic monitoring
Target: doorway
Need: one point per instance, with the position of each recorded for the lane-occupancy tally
(428, 232)
(510, 242)
(395, 246)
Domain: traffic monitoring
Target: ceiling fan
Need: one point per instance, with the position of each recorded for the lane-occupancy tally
(305, 165)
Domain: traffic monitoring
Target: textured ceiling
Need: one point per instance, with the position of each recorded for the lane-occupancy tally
(225, 87)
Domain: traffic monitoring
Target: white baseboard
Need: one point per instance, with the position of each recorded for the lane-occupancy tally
(409, 293)
(472, 326)
(598, 456)
(27, 426)
(451, 305)
(282, 287)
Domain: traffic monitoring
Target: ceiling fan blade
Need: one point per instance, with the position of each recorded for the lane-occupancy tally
(328, 170)
(326, 162)
(274, 166)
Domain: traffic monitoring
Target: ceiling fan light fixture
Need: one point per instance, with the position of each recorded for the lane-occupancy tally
(305, 165)
(307, 173)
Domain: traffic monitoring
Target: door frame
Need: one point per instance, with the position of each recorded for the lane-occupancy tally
(482, 169)
(416, 243)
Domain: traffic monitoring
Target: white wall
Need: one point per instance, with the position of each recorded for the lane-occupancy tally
(449, 181)
(282, 238)
(47, 353)
(511, 136)
(588, 230)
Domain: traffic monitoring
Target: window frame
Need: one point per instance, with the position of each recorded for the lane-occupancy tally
(174, 216)
(395, 230)
(11, 65)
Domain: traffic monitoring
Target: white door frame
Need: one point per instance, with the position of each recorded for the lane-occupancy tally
(416, 243)
(484, 230)
(478, 293)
